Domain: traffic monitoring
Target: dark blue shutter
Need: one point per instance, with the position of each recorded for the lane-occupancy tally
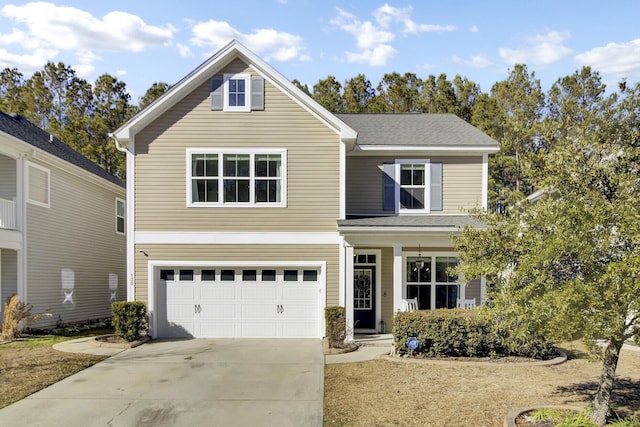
(435, 192)
(217, 94)
(257, 93)
(388, 187)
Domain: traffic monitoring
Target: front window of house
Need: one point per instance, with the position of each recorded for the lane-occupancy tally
(432, 284)
(219, 178)
(412, 186)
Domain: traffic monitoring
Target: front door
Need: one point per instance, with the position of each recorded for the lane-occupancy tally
(364, 297)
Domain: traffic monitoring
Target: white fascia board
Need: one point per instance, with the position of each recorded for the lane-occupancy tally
(373, 230)
(230, 238)
(436, 149)
(14, 147)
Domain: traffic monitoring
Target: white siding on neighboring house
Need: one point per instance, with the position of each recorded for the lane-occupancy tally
(8, 275)
(72, 247)
(7, 178)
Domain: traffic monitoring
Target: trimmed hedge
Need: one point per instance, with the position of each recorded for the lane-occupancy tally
(335, 317)
(129, 319)
(464, 333)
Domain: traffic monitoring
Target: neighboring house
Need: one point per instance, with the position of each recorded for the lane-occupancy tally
(62, 227)
(251, 207)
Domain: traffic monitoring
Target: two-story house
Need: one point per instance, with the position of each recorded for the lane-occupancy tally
(251, 207)
(62, 227)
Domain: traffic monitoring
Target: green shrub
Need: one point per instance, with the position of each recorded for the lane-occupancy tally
(129, 319)
(463, 333)
(335, 317)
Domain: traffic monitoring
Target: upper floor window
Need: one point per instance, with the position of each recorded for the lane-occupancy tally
(119, 216)
(412, 186)
(237, 92)
(38, 185)
(236, 178)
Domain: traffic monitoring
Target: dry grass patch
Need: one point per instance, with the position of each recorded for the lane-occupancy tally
(31, 364)
(382, 393)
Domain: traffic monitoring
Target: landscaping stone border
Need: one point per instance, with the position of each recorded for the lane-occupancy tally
(551, 362)
(510, 419)
(96, 343)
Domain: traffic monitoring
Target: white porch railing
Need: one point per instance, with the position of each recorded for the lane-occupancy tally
(8, 214)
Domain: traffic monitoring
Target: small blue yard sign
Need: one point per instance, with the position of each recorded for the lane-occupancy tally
(412, 343)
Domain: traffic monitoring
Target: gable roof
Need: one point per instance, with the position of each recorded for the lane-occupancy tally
(22, 129)
(417, 130)
(209, 68)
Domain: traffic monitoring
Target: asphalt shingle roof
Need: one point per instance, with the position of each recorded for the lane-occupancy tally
(415, 129)
(21, 128)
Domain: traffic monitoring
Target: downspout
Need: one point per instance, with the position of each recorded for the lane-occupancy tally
(130, 245)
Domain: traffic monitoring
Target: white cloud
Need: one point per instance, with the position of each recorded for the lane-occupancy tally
(373, 38)
(268, 43)
(622, 59)
(541, 50)
(184, 50)
(474, 29)
(386, 14)
(44, 30)
(121, 73)
(476, 61)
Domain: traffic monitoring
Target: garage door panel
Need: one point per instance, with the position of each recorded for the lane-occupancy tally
(213, 293)
(258, 292)
(213, 307)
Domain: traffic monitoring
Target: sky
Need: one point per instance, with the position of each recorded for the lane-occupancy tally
(143, 41)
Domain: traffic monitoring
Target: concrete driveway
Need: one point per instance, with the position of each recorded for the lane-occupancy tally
(197, 382)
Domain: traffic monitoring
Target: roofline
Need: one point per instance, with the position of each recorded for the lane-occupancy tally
(482, 149)
(394, 229)
(216, 62)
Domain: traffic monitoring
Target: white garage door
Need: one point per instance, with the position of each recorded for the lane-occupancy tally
(238, 302)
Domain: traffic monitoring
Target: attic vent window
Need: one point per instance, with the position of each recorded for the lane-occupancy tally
(237, 93)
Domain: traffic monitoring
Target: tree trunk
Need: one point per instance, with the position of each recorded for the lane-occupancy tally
(602, 399)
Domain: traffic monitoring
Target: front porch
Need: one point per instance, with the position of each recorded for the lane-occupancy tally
(386, 265)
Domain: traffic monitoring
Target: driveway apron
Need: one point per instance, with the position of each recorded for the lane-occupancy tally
(197, 382)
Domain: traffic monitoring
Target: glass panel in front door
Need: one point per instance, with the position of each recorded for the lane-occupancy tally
(362, 292)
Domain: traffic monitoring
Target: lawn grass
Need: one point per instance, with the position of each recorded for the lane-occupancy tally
(30, 364)
(383, 393)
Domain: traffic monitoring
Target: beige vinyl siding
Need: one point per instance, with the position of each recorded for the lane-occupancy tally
(7, 178)
(8, 275)
(78, 233)
(238, 253)
(461, 183)
(312, 194)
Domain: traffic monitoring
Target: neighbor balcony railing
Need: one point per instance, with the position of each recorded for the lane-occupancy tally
(8, 214)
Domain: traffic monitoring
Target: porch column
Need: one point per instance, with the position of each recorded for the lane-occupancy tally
(397, 277)
(348, 288)
(483, 289)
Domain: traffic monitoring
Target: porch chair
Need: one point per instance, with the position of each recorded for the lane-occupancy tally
(410, 304)
(467, 303)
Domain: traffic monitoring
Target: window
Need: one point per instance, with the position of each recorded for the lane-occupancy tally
(433, 285)
(186, 275)
(119, 216)
(249, 275)
(310, 276)
(237, 93)
(412, 186)
(38, 185)
(208, 275)
(236, 178)
(268, 275)
(291, 275)
(166, 274)
(228, 275)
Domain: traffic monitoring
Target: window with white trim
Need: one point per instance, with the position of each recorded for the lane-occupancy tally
(236, 178)
(120, 216)
(239, 92)
(412, 186)
(433, 285)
